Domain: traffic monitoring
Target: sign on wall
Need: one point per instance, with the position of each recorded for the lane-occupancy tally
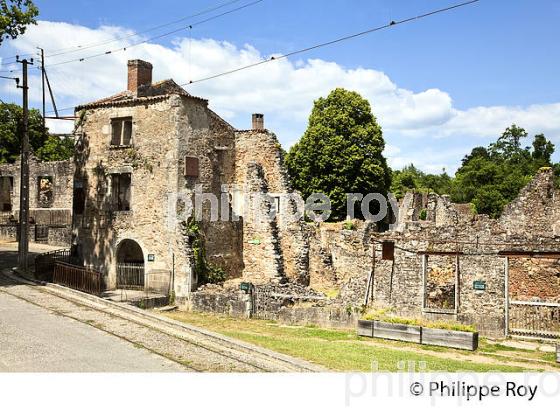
(479, 285)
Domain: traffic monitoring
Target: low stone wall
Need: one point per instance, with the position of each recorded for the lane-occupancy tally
(60, 236)
(57, 236)
(8, 233)
(233, 304)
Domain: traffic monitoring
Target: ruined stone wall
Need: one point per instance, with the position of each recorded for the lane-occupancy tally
(534, 213)
(54, 216)
(534, 279)
(61, 172)
(204, 135)
(338, 254)
(259, 168)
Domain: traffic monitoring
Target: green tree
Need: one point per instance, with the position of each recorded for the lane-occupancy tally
(15, 16)
(508, 145)
(411, 178)
(542, 150)
(11, 131)
(490, 178)
(341, 151)
(56, 148)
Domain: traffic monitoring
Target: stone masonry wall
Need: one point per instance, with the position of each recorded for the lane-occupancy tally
(61, 172)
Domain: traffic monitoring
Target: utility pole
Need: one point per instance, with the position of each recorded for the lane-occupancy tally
(23, 245)
(43, 83)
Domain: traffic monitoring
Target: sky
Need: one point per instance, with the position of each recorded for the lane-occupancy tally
(438, 86)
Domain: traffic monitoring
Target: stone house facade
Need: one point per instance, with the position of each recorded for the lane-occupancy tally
(141, 156)
(50, 200)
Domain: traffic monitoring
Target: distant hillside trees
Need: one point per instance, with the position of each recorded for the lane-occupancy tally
(489, 177)
(492, 177)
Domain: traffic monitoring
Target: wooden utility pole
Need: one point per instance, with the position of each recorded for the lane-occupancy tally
(43, 83)
(23, 244)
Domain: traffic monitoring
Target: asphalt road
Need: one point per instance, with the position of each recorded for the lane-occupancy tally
(33, 339)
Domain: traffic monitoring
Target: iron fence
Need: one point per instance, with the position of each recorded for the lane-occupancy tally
(130, 276)
(534, 319)
(77, 277)
(45, 263)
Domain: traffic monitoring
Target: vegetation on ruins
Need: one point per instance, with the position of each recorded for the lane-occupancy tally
(489, 177)
(15, 16)
(341, 152)
(204, 271)
(45, 146)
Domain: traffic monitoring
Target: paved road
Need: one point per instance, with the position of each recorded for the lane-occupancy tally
(50, 328)
(34, 339)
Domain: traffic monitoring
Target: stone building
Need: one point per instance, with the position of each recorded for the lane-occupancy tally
(50, 200)
(146, 154)
(142, 154)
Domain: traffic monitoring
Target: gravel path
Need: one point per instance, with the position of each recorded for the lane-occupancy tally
(192, 349)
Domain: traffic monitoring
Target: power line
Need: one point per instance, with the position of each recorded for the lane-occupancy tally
(121, 49)
(145, 31)
(338, 40)
(80, 47)
(137, 33)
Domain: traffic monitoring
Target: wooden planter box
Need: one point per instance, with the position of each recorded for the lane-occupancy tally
(423, 335)
(450, 338)
(397, 331)
(365, 328)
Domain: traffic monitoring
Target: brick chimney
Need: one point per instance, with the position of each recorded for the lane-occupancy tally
(258, 121)
(139, 73)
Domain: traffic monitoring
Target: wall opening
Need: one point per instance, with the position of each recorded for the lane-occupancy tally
(120, 191)
(6, 193)
(45, 195)
(130, 265)
(440, 282)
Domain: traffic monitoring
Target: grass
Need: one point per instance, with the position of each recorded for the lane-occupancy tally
(342, 350)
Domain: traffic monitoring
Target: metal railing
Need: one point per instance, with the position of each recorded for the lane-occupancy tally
(130, 276)
(534, 319)
(45, 263)
(77, 277)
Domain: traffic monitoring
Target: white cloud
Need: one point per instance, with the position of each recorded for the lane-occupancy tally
(284, 90)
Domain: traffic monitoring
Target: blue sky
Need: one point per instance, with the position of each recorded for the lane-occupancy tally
(488, 64)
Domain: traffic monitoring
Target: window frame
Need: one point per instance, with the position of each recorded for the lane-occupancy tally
(121, 122)
(425, 308)
(116, 185)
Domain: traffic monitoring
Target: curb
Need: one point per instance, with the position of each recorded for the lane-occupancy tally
(135, 311)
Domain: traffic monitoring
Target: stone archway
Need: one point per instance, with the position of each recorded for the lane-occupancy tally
(130, 265)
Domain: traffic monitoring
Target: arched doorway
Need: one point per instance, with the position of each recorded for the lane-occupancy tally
(130, 265)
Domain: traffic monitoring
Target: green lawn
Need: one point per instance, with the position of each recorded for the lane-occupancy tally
(343, 350)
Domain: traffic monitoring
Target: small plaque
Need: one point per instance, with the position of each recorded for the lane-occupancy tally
(151, 257)
(246, 287)
(479, 285)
